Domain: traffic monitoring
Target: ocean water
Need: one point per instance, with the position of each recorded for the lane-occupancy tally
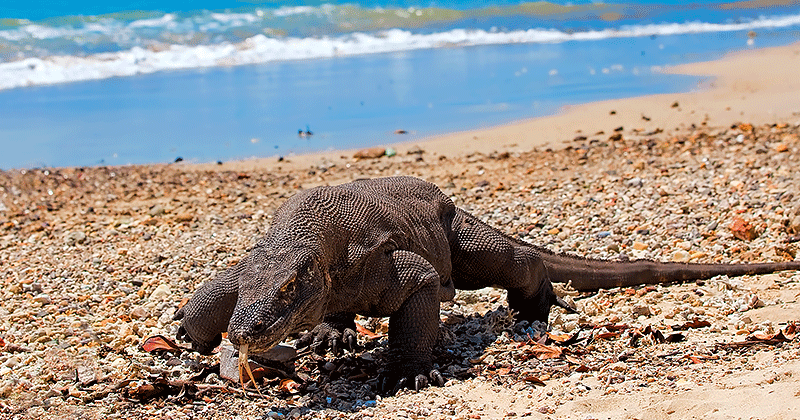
(90, 83)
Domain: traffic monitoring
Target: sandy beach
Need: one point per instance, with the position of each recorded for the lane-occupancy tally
(96, 260)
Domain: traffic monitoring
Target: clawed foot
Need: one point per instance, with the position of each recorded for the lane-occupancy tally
(327, 337)
(389, 384)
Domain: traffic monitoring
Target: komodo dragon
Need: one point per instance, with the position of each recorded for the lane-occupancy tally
(393, 247)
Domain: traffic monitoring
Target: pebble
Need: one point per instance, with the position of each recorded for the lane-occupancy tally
(743, 229)
(156, 210)
(75, 237)
(184, 217)
(42, 298)
(634, 182)
(139, 312)
(161, 292)
(641, 310)
(371, 153)
(680, 256)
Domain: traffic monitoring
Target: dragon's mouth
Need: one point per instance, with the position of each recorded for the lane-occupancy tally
(291, 320)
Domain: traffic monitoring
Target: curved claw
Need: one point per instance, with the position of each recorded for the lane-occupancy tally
(324, 337)
(400, 385)
(420, 382)
(436, 377)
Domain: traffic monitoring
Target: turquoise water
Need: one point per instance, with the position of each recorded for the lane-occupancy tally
(83, 84)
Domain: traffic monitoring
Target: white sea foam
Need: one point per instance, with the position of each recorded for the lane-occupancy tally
(153, 23)
(263, 49)
(235, 18)
(296, 10)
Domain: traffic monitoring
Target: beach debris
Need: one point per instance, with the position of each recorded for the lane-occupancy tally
(787, 334)
(275, 362)
(370, 153)
(676, 104)
(415, 150)
(178, 159)
(400, 131)
(158, 343)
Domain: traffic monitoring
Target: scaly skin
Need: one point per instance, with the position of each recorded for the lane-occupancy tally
(393, 247)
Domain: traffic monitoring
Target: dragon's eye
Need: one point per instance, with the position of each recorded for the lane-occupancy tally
(289, 286)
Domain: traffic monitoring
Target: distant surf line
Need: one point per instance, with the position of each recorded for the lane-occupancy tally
(260, 48)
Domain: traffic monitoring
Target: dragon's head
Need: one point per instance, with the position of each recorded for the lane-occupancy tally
(282, 292)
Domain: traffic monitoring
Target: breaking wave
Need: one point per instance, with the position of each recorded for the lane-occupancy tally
(187, 49)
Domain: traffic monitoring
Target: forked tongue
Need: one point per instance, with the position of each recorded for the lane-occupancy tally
(243, 362)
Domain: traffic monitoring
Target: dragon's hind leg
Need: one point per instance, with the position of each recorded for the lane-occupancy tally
(484, 257)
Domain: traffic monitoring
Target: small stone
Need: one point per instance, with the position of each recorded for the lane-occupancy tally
(697, 255)
(680, 256)
(794, 225)
(184, 217)
(75, 237)
(743, 229)
(618, 366)
(390, 152)
(545, 410)
(156, 210)
(634, 182)
(371, 153)
(639, 246)
(42, 298)
(603, 234)
(139, 312)
(781, 147)
(641, 310)
(161, 292)
(553, 231)
(280, 353)
(85, 375)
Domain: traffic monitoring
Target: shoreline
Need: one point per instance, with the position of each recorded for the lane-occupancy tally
(740, 87)
(97, 260)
